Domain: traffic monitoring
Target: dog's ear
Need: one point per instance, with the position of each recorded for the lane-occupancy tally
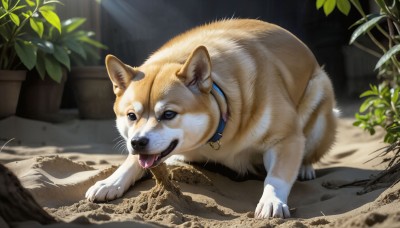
(196, 72)
(119, 73)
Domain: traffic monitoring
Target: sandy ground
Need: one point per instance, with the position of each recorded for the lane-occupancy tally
(57, 163)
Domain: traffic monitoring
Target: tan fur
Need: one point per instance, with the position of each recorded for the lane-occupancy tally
(280, 103)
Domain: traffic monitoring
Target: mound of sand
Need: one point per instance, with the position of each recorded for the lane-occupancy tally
(198, 196)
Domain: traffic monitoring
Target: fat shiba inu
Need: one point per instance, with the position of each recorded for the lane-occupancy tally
(237, 92)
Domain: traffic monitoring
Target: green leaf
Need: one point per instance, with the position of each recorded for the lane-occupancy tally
(393, 129)
(375, 89)
(371, 130)
(365, 27)
(26, 15)
(53, 1)
(5, 4)
(344, 6)
(392, 51)
(382, 88)
(329, 6)
(52, 18)
(361, 117)
(395, 96)
(75, 47)
(92, 42)
(14, 18)
(379, 114)
(364, 19)
(62, 56)
(47, 8)
(53, 68)
(43, 45)
(366, 104)
(80, 33)
(40, 66)
(17, 8)
(37, 26)
(73, 23)
(320, 3)
(357, 123)
(388, 138)
(26, 53)
(30, 3)
(368, 93)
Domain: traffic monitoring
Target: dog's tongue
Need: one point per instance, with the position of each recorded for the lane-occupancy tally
(147, 160)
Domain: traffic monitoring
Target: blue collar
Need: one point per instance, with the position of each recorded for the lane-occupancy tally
(220, 97)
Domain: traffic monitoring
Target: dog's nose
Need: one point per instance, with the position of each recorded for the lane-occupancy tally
(139, 143)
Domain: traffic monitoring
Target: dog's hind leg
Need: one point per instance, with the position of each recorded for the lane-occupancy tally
(320, 135)
(319, 122)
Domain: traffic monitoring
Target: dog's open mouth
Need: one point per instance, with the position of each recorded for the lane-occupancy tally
(151, 160)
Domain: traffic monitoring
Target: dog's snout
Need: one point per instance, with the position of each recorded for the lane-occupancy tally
(139, 143)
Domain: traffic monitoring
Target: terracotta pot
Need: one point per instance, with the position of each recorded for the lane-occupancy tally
(93, 92)
(10, 86)
(40, 99)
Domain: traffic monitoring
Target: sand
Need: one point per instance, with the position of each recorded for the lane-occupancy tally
(57, 163)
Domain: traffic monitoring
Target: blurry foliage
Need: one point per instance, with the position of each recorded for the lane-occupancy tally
(84, 50)
(33, 37)
(381, 108)
(21, 23)
(70, 47)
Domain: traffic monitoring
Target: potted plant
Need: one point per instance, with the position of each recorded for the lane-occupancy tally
(20, 23)
(54, 58)
(42, 92)
(91, 86)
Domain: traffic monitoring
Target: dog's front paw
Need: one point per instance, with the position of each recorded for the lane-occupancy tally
(107, 189)
(272, 206)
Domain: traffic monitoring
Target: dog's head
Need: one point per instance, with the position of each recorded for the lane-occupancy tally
(164, 108)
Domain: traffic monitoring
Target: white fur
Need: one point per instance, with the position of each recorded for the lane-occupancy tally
(122, 123)
(313, 96)
(160, 107)
(273, 202)
(269, 158)
(138, 107)
(191, 138)
(316, 133)
(116, 184)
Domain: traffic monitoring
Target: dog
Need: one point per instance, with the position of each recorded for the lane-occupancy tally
(238, 92)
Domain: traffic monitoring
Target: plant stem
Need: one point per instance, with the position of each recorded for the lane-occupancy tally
(397, 27)
(367, 49)
(391, 33)
(372, 37)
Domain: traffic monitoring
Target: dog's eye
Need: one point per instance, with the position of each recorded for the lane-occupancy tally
(132, 116)
(168, 115)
